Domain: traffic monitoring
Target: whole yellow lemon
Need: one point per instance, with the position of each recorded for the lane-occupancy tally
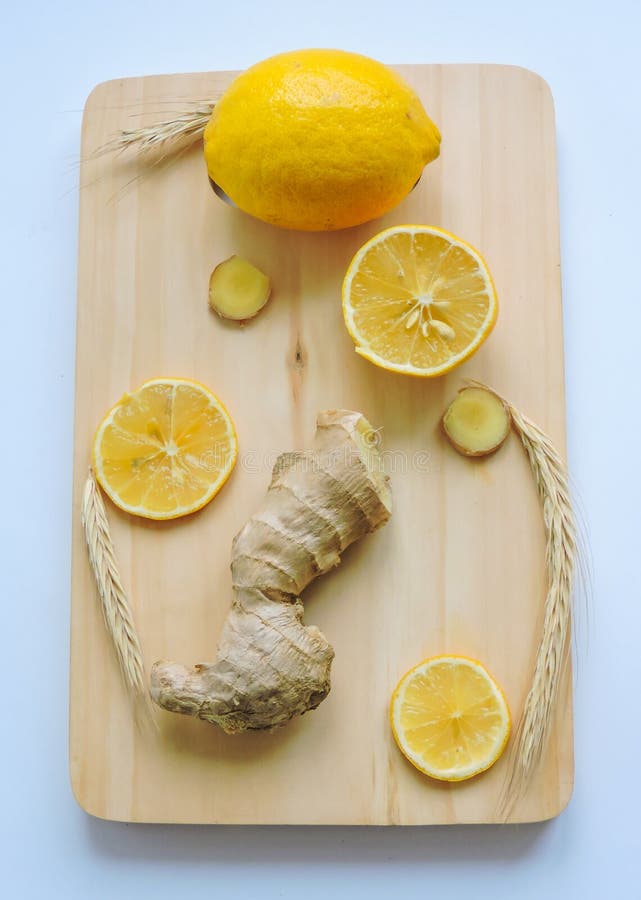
(318, 140)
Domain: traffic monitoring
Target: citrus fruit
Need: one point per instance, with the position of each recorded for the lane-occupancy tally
(166, 449)
(418, 300)
(318, 140)
(450, 718)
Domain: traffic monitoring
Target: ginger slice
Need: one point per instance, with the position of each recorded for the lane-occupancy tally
(237, 289)
(477, 422)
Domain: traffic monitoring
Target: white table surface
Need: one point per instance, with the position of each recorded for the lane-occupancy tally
(51, 55)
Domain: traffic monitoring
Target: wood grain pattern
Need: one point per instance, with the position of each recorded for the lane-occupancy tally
(460, 566)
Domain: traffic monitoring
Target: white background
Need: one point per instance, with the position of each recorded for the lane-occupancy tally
(51, 55)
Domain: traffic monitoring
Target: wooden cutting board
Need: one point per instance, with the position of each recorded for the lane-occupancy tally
(460, 566)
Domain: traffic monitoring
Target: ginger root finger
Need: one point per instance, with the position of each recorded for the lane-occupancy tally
(477, 422)
(238, 290)
(271, 667)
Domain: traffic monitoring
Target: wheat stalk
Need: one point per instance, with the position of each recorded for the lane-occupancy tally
(116, 608)
(180, 130)
(532, 733)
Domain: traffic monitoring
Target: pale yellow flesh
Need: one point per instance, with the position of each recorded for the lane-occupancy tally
(449, 718)
(237, 289)
(476, 422)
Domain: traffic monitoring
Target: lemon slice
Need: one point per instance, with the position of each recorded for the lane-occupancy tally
(449, 718)
(166, 449)
(418, 300)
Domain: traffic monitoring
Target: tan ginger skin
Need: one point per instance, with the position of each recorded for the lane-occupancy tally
(271, 667)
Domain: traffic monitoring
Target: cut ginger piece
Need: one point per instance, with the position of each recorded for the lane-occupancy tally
(477, 422)
(237, 289)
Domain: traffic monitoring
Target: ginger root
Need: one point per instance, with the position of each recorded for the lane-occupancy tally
(237, 289)
(270, 666)
(477, 422)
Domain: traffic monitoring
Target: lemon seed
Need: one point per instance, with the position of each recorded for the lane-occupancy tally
(412, 319)
(445, 330)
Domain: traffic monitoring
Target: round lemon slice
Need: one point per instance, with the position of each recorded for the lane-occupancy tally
(166, 449)
(450, 718)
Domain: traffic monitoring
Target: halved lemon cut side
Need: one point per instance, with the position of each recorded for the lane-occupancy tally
(450, 718)
(418, 300)
(166, 449)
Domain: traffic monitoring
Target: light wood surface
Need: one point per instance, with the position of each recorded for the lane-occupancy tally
(459, 568)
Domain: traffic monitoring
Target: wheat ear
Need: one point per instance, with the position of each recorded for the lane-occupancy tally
(550, 474)
(114, 602)
(179, 130)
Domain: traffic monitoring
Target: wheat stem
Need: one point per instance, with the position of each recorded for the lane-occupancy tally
(179, 130)
(562, 559)
(116, 608)
(533, 730)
